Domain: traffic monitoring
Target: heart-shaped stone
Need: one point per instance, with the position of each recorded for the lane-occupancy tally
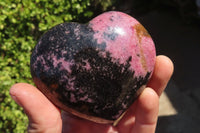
(94, 70)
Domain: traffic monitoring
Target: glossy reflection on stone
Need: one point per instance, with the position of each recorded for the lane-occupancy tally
(94, 70)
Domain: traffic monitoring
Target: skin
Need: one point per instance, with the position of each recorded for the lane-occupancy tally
(141, 117)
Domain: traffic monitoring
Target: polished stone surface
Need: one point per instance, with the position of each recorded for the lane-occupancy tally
(94, 70)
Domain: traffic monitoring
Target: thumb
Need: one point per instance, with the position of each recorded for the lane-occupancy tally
(43, 115)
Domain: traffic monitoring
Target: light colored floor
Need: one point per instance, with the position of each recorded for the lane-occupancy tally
(166, 108)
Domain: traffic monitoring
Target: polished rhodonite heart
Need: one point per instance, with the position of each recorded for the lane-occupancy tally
(94, 70)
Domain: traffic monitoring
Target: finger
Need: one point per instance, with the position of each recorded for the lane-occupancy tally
(160, 77)
(162, 73)
(71, 123)
(125, 125)
(146, 112)
(42, 114)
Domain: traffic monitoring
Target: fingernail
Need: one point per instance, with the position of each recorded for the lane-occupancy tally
(15, 99)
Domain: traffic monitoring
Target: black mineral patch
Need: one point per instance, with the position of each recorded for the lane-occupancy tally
(110, 34)
(68, 60)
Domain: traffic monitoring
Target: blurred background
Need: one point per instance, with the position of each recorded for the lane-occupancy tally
(173, 24)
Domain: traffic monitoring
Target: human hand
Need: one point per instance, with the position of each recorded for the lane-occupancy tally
(141, 117)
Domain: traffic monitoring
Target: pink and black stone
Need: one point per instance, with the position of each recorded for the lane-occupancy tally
(94, 70)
